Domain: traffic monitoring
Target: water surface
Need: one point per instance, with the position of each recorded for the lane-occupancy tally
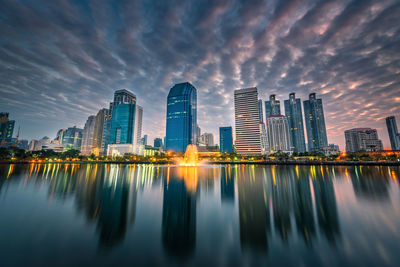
(238, 215)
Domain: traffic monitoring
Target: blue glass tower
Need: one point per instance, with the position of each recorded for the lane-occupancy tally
(122, 124)
(181, 117)
(315, 123)
(272, 107)
(295, 119)
(225, 140)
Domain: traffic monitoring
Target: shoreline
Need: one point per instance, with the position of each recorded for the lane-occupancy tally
(309, 163)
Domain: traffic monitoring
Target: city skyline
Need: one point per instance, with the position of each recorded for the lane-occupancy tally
(59, 67)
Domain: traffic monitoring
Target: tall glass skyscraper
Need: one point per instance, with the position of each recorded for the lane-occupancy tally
(87, 136)
(394, 135)
(225, 140)
(315, 123)
(295, 119)
(181, 117)
(272, 107)
(122, 124)
(260, 110)
(72, 138)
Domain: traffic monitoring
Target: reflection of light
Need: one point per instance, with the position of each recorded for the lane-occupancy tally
(10, 170)
(394, 176)
(190, 177)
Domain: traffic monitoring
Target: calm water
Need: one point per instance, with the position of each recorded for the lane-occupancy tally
(217, 215)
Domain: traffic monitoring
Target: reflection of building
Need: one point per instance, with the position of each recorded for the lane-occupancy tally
(253, 216)
(225, 140)
(315, 123)
(179, 217)
(247, 122)
(394, 135)
(227, 184)
(325, 203)
(362, 139)
(370, 183)
(181, 117)
(295, 119)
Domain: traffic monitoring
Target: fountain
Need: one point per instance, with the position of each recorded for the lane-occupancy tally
(191, 156)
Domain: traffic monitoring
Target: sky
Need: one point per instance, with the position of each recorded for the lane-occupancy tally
(61, 60)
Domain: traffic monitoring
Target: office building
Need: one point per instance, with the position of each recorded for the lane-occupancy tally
(122, 124)
(272, 107)
(98, 130)
(137, 133)
(6, 128)
(72, 138)
(122, 96)
(362, 139)
(225, 140)
(278, 133)
(158, 143)
(144, 140)
(294, 116)
(264, 139)
(206, 139)
(394, 135)
(87, 136)
(315, 123)
(181, 126)
(260, 110)
(248, 140)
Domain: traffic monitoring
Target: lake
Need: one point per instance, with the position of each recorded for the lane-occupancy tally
(218, 215)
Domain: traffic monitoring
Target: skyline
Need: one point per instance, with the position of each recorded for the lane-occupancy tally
(59, 67)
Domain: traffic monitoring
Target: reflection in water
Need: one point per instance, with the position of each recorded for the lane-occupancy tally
(274, 207)
(227, 184)
(252, 210)
(179, 212)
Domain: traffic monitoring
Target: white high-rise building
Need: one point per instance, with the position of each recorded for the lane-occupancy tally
(137, 132)
(278, 133)
(264, 139)
(87, 136)
(206, 139)
(247, 118)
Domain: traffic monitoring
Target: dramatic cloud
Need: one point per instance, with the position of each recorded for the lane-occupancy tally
(61, 60)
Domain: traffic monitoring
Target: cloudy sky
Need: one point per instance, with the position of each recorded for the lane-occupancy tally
(61, 60)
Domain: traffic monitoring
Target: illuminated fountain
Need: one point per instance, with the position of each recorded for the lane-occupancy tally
(191, 157)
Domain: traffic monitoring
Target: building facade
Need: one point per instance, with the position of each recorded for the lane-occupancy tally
(122, 124)
(272, 107)
(362, 139)
(315, 123)
(264, 139)
(181, 125)
(294, 116)
(158, 142)
(6, 129)
(206, 139)
(393, 132)
(137, 133)
(260, 110)
(248, 140)
(87, 136)
(100, 120)
(278, 134)
(72, 138)
(225, 140)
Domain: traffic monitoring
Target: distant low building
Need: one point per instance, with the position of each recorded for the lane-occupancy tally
(331, 150)
(119, 150)
(150, 151)
(362, 139)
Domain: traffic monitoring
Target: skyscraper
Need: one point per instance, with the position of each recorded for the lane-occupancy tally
(315, 123)
(260, 110)
(137, 134)
(122, 124)
(206, 139)
(272, 107)
(264, 139)
(295, 120)
(144, 140)
(158, 142)
(278, 133)
(72, 138)
(87, 136)
(6, 128)
(225, 140)
(362, 139)
(248, 141)
(394, 135)
(181, 126)
(100, 120)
